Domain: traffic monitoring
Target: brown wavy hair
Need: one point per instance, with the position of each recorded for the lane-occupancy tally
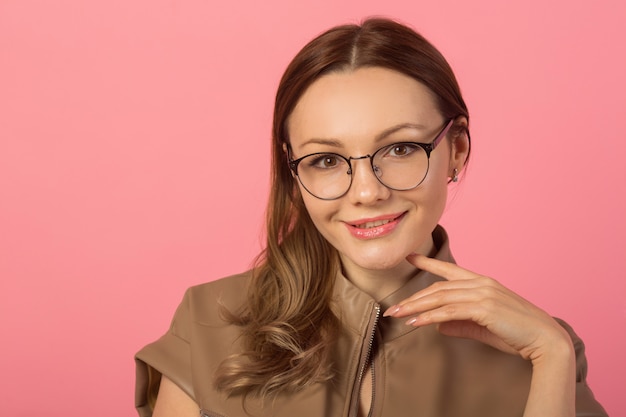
(288, 325)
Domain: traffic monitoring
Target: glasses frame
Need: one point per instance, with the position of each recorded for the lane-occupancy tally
(428, 148)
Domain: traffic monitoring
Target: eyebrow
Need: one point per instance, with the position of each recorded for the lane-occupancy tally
(382, 135)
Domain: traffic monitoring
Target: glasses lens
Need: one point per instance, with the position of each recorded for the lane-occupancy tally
(401, 166)
(325, 175)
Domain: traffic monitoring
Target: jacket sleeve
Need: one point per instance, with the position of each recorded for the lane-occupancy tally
(586, 403)
(170, 356)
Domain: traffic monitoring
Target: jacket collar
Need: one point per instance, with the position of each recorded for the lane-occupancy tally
(354, 307)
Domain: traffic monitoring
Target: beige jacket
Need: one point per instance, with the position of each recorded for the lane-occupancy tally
(417, 371)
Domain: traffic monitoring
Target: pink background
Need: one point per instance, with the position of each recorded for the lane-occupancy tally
(134, 161)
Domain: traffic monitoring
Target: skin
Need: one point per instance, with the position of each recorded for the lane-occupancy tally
(173, 401)
(344, 113)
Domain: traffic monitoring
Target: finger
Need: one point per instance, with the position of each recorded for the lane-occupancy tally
(441, 297)
(440, 294)
(456, 312)
(444, 269)
(440, 286)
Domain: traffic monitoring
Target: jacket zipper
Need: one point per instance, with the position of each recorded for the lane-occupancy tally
(369, 414)
(366, 359)
(204, 413)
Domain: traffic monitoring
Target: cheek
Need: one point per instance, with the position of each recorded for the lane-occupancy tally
(433, 192)
(318, 210)
(437, 174)
(322, 215)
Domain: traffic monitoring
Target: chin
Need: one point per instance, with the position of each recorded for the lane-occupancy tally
(377, 263)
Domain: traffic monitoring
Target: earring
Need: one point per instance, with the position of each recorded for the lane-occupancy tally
(455, 175)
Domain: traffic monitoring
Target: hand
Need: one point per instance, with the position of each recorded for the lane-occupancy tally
(472, 306)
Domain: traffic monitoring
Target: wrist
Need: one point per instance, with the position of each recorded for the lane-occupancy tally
(555, 352)
(553, 385)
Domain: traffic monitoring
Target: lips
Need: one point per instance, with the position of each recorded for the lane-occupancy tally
(372, 224)
(374, 227)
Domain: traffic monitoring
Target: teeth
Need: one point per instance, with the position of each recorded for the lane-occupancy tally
(372, 224)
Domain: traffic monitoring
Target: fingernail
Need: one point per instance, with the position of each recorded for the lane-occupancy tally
(391, 311)
(411, 322)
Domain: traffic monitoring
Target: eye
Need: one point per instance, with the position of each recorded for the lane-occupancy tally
(401, 149)
(324, 161)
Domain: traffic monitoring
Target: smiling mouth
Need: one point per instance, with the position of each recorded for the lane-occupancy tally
(369, 225)
(375, 223)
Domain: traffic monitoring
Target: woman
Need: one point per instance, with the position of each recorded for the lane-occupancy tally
(356, 307)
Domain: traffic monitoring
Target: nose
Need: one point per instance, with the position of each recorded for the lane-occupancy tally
(365, 188)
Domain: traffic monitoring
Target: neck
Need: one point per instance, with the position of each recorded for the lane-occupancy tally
(379, 283)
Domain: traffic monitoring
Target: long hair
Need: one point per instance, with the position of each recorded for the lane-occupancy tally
(288, 325)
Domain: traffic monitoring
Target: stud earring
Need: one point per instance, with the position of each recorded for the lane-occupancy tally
(455, 175)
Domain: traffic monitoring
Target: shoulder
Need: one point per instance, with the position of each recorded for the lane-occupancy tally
(204, 302)
(229, 289)
(196, 342)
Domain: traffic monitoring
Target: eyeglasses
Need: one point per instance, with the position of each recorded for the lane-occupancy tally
(400, 166)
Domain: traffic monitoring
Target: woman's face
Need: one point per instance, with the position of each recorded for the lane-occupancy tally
(372, 226)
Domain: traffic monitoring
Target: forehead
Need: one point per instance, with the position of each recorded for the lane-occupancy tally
(356, 105)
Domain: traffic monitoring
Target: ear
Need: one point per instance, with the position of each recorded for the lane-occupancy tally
(286, 150)
(459, 145)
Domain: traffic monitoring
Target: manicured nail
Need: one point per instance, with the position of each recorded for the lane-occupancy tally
(411, 322)
(391, 311)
